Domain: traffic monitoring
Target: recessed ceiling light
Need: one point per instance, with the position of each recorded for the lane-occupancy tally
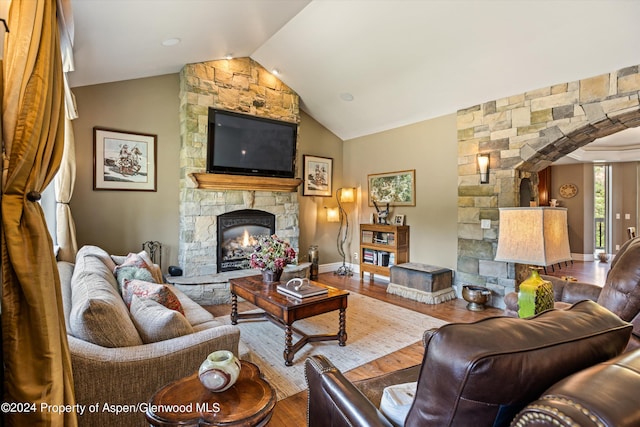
(346, 96)
(171, 42)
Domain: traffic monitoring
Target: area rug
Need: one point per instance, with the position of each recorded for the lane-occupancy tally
(374, 329)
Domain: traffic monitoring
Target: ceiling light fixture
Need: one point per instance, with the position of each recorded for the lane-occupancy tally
(171, 42)
(275, 72)
(346, 96)
(228, 56)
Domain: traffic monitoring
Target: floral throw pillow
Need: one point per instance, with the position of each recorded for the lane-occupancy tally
(131, 272)
(142, 260)
(155, 291)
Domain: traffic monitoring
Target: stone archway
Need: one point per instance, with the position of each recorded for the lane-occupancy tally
(524, 134)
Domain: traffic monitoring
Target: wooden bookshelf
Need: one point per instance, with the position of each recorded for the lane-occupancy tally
(381, 247)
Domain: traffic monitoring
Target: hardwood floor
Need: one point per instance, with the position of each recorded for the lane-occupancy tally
(292, 411)
(589, 271)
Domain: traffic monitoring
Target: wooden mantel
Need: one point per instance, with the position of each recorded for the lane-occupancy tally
(216, 181)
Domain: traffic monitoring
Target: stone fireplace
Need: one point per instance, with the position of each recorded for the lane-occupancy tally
(244, 86)
(238, 233)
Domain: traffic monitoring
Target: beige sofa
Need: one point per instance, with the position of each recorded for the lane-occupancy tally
(114, 370)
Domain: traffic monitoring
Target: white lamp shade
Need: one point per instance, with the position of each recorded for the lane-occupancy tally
(333, 215)
(536, 236)
(347, 195)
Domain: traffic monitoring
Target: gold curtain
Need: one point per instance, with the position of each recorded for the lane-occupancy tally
(35, 349)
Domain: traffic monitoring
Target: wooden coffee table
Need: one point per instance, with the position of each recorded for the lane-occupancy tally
(284, 310)
(249, 402)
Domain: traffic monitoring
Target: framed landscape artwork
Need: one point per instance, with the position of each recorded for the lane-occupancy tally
(124, 160)
(318, 174)
(395, 188)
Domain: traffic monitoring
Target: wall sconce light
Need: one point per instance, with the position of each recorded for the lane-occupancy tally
(347, 195)
(483, 167)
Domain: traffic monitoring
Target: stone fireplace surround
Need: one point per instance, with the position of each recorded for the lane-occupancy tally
(237, 85)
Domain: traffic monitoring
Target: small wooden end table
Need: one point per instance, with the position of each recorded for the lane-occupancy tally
(284, 310)
(249, 402)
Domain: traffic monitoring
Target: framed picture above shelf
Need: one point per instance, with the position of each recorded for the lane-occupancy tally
(394, 188)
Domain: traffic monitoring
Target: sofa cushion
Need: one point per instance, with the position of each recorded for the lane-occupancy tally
(98, 313)
(396, 402)
(65, 271)
(194, 312)
(131, 272)
(158, 292)
(142, 260)
(156, 322)
(488, 370)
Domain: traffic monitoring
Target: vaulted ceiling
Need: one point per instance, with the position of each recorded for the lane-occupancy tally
(401, 61)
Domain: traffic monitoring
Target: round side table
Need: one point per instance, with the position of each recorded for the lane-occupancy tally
(249, 402)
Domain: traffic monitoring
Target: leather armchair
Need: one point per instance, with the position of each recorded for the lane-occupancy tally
(603, 395)
(480, 373)
(620, 293)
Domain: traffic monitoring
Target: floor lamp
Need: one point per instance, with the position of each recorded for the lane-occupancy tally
(343, 195)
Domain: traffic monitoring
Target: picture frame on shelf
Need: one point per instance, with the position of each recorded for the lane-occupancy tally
(398, 219)
(395, 188)
(318, 176)
(124, 161)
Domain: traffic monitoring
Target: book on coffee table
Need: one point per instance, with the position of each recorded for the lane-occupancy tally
(300, 289)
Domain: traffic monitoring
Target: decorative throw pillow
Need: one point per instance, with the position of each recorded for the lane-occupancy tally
(131, 272)
(142, 260)
(98, 314)
(155, 291)
(155, 322)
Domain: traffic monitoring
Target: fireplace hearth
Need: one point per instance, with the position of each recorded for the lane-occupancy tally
(238, 233)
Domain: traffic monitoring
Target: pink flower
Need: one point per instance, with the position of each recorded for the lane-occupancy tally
(272, 253)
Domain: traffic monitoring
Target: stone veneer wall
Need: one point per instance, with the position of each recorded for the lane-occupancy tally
(524, 134)
(244, 86)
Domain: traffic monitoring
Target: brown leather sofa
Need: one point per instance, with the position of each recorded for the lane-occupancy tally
(603, 395)
(479, 374)
(620, 293)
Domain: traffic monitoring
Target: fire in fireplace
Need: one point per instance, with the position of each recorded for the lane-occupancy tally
(238, 233)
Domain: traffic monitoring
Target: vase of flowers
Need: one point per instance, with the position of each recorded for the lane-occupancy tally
(271, 255)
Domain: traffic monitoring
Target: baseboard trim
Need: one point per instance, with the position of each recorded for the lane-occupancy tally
(583, 257)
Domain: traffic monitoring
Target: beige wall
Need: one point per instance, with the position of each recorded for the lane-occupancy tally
(316, 140)
(120, 221)
(429, 147)
(623, 196)
(579, 208)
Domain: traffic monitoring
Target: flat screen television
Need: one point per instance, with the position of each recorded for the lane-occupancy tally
(242, 144)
